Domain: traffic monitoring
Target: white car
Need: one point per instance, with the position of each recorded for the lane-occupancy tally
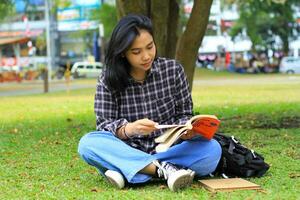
(290, 65)
(86, 69)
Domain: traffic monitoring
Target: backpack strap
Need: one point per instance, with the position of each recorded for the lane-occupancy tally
(238, 160)
(249, 172)
(231, 147)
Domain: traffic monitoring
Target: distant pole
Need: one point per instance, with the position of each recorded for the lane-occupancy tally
(45, 78)
(101, 42)
(47, 18)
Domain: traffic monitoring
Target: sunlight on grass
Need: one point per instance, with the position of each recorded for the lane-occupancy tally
(40, 133)
(254, 93)
(230, 94)
(247, 99)
(44, 106)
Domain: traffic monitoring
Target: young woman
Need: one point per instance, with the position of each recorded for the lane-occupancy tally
(136, 91)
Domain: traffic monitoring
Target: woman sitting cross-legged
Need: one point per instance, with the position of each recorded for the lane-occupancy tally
(137, 90)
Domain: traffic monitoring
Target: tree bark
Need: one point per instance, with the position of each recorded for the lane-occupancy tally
(125, 7)
(173, 24)
(191, 38)
(165, 18)
(160, 20)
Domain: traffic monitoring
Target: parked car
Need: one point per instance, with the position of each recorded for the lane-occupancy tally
(86, 69)
(290, 65)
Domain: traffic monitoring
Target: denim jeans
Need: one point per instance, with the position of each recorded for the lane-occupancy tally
(103, 150)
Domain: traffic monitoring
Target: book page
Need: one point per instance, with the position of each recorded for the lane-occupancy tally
(166, 135)
(166, 126)
(170, 140)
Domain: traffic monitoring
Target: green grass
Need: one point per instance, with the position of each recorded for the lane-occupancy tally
(40, 133)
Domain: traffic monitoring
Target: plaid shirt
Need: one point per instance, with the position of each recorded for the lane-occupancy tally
(163, 97)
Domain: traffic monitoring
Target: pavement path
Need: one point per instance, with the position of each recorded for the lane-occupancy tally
(250, 80)
(37, 87)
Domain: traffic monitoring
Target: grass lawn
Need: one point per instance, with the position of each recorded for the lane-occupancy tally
(40, 133)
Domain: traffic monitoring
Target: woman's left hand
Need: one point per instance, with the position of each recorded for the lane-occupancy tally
(188, 135)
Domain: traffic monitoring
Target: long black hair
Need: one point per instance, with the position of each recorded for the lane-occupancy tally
(117, 68)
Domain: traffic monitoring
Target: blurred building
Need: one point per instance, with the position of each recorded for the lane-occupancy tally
(78, 33)
(23, 36)
(217, 38)
(42, 34)
(217, 42)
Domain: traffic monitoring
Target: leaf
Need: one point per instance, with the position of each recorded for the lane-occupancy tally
(94, 190)
(162, 187)
(294, 175)
(69, 120)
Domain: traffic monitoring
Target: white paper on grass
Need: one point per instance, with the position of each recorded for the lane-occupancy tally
(166, 126)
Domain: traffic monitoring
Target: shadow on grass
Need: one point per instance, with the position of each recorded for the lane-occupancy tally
(255, 121)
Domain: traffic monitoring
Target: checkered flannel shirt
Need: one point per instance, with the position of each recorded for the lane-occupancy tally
(163, 97)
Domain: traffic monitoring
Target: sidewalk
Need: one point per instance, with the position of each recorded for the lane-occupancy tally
(37, 86)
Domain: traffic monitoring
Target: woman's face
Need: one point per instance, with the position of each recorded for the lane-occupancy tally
(141, 53)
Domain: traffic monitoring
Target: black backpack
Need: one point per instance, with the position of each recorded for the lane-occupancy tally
(238, 160)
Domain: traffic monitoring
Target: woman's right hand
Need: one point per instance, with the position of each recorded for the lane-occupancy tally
(140, 127)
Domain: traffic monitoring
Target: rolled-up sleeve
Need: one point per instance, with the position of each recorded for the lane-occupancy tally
(183, 99)
(106, 110)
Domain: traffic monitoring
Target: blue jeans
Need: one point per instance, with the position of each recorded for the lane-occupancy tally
(104, 151)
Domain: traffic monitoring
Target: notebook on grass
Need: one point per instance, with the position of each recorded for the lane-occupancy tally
(228, 184)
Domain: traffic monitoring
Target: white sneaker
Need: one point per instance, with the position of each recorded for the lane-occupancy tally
(192, 174)
(115, 178)
(176, 178)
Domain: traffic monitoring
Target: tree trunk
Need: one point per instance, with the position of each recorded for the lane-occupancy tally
(125, 7)
(165, 18)
(285, 48)
(191, 38)
(284, 36)
(160, 18)
(164, 15)
(172, 29)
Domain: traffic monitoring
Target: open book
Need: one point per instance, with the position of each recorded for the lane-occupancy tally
(205, 125)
